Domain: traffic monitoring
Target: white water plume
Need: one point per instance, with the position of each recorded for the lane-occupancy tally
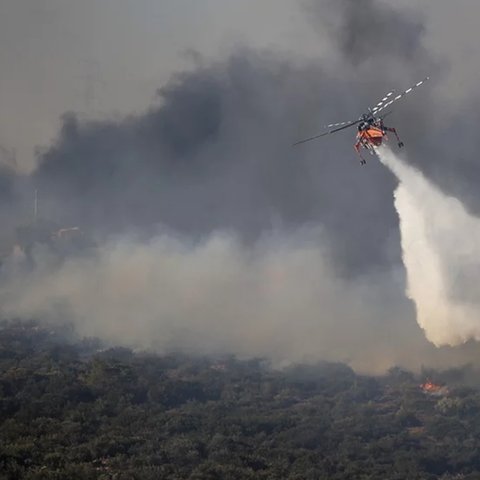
(441, 254)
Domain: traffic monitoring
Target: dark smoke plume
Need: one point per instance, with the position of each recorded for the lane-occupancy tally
(371, 30)
(214, 152)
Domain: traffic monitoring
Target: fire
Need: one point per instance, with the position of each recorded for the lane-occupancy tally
(434, 389)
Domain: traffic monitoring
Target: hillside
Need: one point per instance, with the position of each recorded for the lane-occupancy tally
(69, 409)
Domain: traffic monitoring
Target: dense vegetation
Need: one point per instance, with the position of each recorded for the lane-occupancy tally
(71, 411)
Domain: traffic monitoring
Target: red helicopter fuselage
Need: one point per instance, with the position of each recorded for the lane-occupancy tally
(371, 136)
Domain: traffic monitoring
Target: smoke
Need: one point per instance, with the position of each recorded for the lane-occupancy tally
(278, 299)
(213, 151)
(441, 253)
(371, 31)
(289, 254)
(13, 188)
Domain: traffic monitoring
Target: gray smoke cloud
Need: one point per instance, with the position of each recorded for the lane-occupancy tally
(13, 190)
(214, 152)
(371, 30)
(211, 164)
(279, 299)
(7, 181)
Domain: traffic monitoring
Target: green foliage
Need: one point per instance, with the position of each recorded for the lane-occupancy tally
(70, 411)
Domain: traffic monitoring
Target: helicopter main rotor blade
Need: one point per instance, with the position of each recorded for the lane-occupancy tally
(327, 133)
(337, 124)
(382, 101)
(382, 106)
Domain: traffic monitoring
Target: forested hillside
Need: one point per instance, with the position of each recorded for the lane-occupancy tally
(70, 410)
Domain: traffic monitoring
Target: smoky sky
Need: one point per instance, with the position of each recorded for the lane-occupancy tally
(214, 150)
(7, 180)
(214, 234)
(366, 29)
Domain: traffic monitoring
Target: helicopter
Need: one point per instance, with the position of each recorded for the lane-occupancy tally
(371, 130)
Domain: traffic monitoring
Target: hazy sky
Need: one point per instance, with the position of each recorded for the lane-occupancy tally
(108, 57)
(311, 234)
